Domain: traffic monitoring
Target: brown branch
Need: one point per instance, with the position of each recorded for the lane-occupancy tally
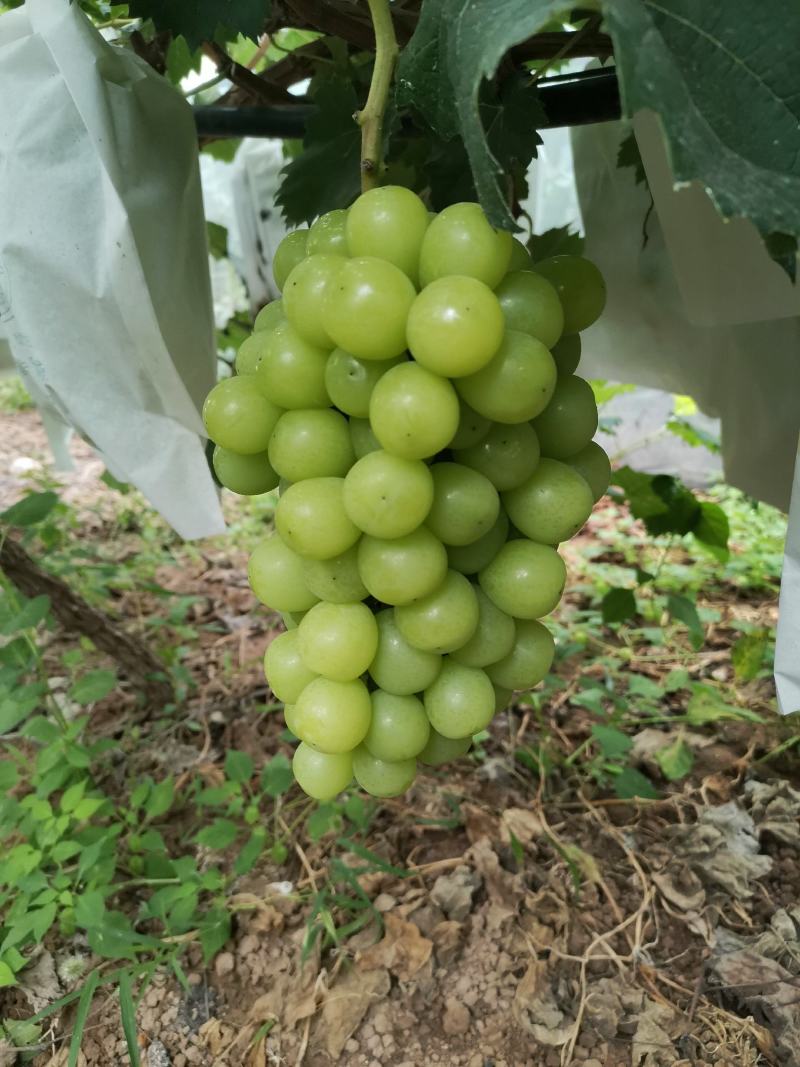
(245, 79)
(76, 616)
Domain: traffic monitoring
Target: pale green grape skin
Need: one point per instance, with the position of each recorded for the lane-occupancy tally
(593, 464)
(525, 579)
(442, 621)
(460, 240)
(580, 287)
(338, 641)
(502, 697)
(465, 504)
(569, 421)
(387, 496)
(321, 775)
(247, 475)
(528, 661)
(552, 505)
(365, 308)
(337, 579)
(381, 778)
(311, 519)
(521, 258)
(472, 427)
(461, 700)
(516, 385)
(332, 716)
(402, 569)
(567, 353)
(399, 728)
(291, 372)
(364, 440)
(304, 296)
(327, 234)
(239, 417)
(270, 316)
(288, 718)
(276, 577)
(469, 559)
(455, 326)
(350, 381)
(389, 222)
(530, 303)
(251, 352)
(412, 412)
(398, 667)
(290, 252)
(311, 443)
(284, 668)
(441, 749)
(493, 639)
(507, 455)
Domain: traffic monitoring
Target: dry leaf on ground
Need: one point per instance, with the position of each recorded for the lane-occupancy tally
(402, 950)
(346, 1004)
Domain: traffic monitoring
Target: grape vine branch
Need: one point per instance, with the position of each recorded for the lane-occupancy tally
(370, 118)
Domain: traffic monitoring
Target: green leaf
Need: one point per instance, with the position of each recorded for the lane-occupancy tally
(69, 801)
(325, 818)
(9, 775)
(93, 686)
(683, 610)
(220, 834)
(32, 613)
(559, 241)
(217, 240)
(277, 777)
(618, 605)
(675, 760)
(127, 1011)
(181, 60)
(224, 150)
(214, 930)
(204, 20)
(631, 783)
(238, 766)
(713, 529)
(90, 908)
(612, 742)
(114, 483)
(629, 155)
(693, 435)
(706, 705)
(638, 490)
(422, 80)
(81, 1015)
(30, 510)
(747, 655)
(248, 856)
(682, 509)
(160, 799)
(725, 87)
(6, 975)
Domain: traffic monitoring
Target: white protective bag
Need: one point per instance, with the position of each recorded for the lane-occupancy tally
(103, 258)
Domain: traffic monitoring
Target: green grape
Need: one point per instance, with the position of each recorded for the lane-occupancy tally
(337, 579)
(465, 504)
(246, 475)
(288, 254)
(461, 700)
(521, 258)
(507, 455)
(528, 661)
(524, 579)
(387, 496)
(291, 372)
(283, 665)
(402, 569)
(593, 464)
(469, 559)
(275, 573)
(455, 326)
(338, 641)
(380, 778)
(289, 719)
(364, 440)
(332, 716)
(531, 304)
(460, 240)
(239, 417)
(366, 307)
(567, 353)
(552, 505)
(327, 234)
(569, 421)
(251, 352)
(580, 287)
(493, 639)
(399, 728)
(398, 667)
(311, 443)
(443, 749)
(472, 427)
(502, 697)
(322, 775)
(350, 380)
(444, 619)
(304, 296)
(389, 222)
(270, 316)
(516, 385)
(413, 413)
(311, 519)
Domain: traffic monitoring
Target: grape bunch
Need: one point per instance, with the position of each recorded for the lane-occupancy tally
(413, 394)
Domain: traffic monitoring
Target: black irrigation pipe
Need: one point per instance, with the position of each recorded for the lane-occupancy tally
(568, 100)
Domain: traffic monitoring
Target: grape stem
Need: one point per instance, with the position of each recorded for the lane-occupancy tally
(370, 118)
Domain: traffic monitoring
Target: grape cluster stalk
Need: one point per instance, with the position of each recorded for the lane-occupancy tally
(413, 395)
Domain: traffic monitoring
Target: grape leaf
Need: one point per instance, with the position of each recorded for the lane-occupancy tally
(629, 155)
(683, 610)
(31, 509)
(675, 760)
(618, 605)
(422, 80)
(558, 241)
(713, 529)
(204, 20)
